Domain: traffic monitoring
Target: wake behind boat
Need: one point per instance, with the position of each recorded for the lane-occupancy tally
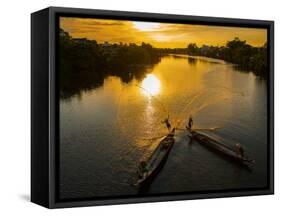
(149, 169)
(236, 155)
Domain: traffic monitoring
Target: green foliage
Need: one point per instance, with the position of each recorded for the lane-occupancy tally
(245, 56)
(192, 49)
(84, 63)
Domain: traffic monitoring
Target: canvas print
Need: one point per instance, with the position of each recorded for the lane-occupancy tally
(149, 108)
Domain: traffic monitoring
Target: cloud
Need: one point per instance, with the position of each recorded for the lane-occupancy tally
(158, 34)
(101, 30)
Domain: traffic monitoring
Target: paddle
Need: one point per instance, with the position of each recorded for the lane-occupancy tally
(153, 138)
(198, 129)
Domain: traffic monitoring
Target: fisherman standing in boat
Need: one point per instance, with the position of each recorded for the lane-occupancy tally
(190, 122)
(142, 170)
(239, 150)
(168, 125)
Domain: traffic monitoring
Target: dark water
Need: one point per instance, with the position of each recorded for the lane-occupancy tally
(105, 132)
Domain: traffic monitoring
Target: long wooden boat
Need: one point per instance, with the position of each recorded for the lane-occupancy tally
(219, 147)
(149, 169)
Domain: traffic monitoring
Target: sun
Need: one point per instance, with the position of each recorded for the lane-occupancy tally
(150, 85)
(146, 26)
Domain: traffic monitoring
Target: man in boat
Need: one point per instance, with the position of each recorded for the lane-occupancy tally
(239, 150)
(190, 122)
(168, 125)
(142, 169)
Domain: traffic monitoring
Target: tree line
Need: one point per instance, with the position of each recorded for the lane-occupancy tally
(245, 56)
(84, 63)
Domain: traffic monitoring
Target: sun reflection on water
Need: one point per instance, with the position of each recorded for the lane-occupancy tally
(151, 85)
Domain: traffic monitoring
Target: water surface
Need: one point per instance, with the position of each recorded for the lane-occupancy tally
(106, 131)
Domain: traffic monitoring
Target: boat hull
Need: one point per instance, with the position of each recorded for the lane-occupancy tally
(220, 148)
(145, 182)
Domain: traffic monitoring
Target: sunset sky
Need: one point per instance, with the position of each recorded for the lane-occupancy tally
(158, 34)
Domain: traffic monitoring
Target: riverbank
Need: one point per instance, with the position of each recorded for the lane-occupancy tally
(84, 64)
(107, 129)
(236, 51)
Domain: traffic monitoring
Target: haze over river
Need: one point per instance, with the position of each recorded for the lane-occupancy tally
(105, 132)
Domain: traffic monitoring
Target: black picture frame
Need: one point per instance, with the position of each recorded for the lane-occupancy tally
(44, 105)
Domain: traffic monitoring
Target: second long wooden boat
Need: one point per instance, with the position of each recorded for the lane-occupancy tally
(219, 147)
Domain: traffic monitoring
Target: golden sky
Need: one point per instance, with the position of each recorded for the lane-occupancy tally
(158, 34)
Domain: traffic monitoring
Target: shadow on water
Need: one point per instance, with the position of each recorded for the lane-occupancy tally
(244, 69)
(144, 189)
(84, 64)
(201, 169)
(76, 84)
(192, 61)
(247, 167)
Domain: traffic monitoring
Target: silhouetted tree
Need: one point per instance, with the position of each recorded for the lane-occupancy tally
(245, 56)
(84, 63)
(192, 49)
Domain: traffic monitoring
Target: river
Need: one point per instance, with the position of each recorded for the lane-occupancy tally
(105, 132)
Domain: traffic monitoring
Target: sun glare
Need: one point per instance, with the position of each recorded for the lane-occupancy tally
(151, 85)
(146, 26)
